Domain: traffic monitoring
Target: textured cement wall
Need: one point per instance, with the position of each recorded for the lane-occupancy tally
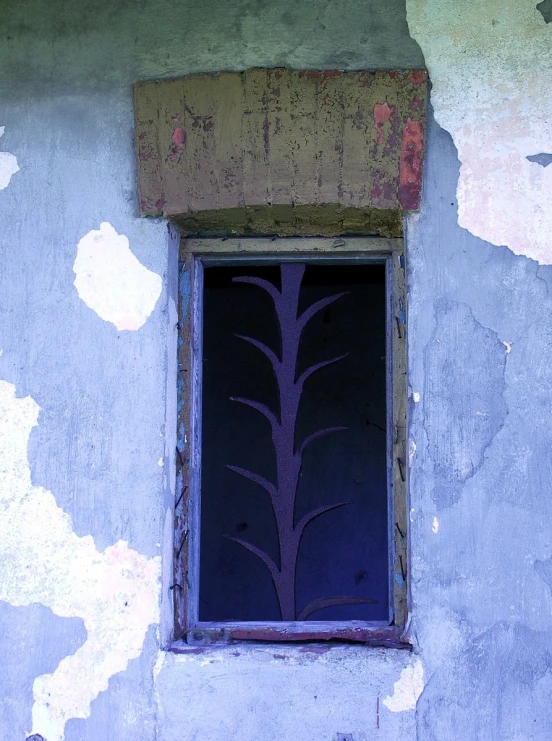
(87, 402)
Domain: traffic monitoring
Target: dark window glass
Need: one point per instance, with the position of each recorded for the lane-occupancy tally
(342, 564)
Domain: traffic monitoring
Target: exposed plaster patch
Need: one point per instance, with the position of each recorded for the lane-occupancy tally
(411, 452)
(435, 526)
(114, 592)
(416, 396)
(508, 346)
(112, 281)
(407, 689)
(490, 65)
(8, 165)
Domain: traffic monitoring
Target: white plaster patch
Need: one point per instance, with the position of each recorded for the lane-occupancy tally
(8, 165)
(112, 281)
(411, 452)
(115, 592)
(407, 689)
(490, 65)
(435, 525)
(508, 346)
(416, 396)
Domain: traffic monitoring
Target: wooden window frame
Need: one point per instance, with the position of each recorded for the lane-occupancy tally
(194, 254)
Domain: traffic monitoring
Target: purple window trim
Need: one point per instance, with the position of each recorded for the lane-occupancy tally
(183, 587)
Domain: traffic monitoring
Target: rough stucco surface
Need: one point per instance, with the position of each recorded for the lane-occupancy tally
(115, 593)
(479, 358)
(480, 336)
(490, 65)
(282, 692)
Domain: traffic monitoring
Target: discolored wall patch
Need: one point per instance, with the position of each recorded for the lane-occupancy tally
(111, 280)
(8, 165)
(42, 560)
(490, 64)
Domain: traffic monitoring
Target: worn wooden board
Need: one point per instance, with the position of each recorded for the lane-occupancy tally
(280, 137)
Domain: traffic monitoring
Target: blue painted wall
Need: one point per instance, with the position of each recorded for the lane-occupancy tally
(479, 365)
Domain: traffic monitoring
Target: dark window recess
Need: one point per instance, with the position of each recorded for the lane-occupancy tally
(294, 503)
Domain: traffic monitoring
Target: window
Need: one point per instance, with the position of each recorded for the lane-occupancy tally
(291, 512)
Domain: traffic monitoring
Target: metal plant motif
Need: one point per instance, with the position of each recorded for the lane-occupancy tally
(289, 457)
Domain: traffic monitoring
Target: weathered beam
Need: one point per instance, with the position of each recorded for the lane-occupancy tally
(282, 137)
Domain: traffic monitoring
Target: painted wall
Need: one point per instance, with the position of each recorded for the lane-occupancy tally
(87, 377)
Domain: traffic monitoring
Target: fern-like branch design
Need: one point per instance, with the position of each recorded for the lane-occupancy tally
(289, 460)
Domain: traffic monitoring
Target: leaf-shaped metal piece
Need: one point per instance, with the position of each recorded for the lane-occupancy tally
(265, 558)
(262, 408)
(310, 516)
(318, 434)
(270, 354)
(313, 368)
(316, 307)
(320, 604)
(271, 489)
(266, 285)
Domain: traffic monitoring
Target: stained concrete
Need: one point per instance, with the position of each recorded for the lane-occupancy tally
(481, 604)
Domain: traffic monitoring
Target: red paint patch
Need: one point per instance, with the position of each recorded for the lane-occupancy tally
(416, 102)
(160, 205)
(331, 73)
(382, 114)
(417, 77)
(375, 192)
(179, 136)
(410, 178)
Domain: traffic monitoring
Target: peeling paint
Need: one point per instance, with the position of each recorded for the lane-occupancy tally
(407, 689)
(111, 280)
(115, 592)
(8, 165)
(490, 65)
(435, 526)
(382, 114)
(411, 452)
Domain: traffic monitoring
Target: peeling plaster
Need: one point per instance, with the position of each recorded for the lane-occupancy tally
(114, 592)
(8, 165)
(490, 65)
(111, 280)
(407, 689)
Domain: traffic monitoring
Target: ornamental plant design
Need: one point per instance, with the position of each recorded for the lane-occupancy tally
(289, 457)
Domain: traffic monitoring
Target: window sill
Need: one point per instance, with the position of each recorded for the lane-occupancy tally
(371, 634)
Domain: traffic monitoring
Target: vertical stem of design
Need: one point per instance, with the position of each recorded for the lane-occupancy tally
(288, 463)
(288, 457)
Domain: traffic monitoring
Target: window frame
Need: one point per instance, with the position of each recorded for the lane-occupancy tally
(194, 254)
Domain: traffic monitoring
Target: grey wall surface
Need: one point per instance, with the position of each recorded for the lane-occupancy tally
(480, 374)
